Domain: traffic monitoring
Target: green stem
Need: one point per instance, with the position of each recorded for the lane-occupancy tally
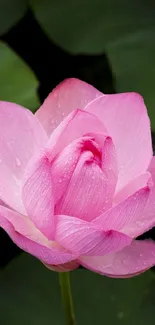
(66, 295)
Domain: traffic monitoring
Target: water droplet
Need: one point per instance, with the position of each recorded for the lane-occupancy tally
(141, 255)
(139, 223)
(0, 161)
(55, 94)
(60, 180)
(18, 163)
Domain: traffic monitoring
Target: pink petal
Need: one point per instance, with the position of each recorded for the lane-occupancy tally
(75, 125)
(132, 260)
(109, 167)
(132, 187)
(66, 267)
(23, 225)
(82, 238)
(147, 219)
(51, 254)
(152, 167)
(21, 136)
(90, 189)
(126, 215)
(126, 120)
(86, 188)
(67, 96)
(37, 195)
(63, 166)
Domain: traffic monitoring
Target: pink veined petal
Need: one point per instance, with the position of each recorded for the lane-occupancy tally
(132, 260)
(126, 215)
(91, 187)
(82, 238)
(21, 136)
(74, 126)
(62, 168)
(147, 219)
(85, 190)
(109, 167)
(49, 255)
(66, 267)
(126, 120)
(152, 167)
(24, 226)
(2, 203)
(67, 96)
(37, 193)
(132, 187)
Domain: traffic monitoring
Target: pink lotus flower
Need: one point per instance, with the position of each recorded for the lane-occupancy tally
(77, 180)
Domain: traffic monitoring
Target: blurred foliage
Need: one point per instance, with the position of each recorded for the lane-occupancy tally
(88, 26)
(17, 82)
(125, 30)
(30, 295)
(10, 13)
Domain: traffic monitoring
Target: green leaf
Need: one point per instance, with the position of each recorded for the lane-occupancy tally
(29, 294)
(17, 82)
(133, 64)
(89, 25)
(11, 11)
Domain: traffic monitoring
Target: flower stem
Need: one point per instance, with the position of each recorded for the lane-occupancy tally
(64, 280)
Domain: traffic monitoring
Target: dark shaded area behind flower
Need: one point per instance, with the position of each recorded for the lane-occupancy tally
(51, 65)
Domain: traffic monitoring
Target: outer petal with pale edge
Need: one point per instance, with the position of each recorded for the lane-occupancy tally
(21, 136)
(27, 237)
(67, 96)
(37, 193)
(126, 120)
(131, 261)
